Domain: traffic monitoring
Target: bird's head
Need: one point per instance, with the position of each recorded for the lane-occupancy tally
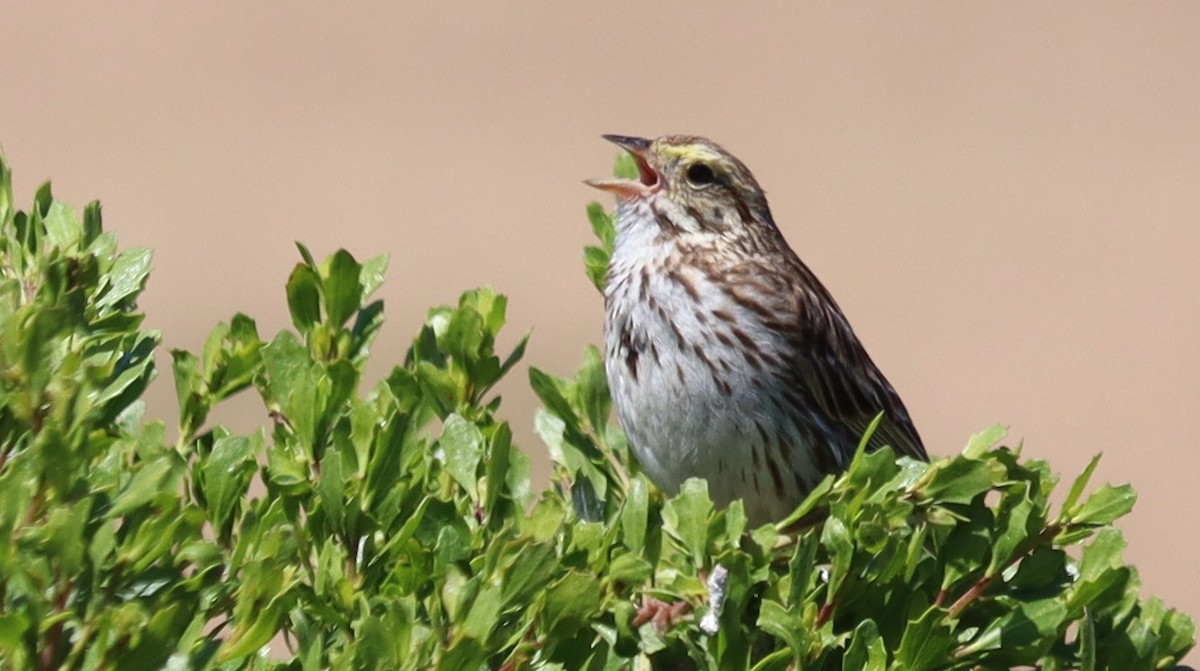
(693, 180)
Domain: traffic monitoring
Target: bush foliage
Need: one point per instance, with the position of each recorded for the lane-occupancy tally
(396, 527)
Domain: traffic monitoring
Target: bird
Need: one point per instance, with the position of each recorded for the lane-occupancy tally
(726, 358)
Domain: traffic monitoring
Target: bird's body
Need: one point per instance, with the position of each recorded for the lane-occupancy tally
(726, 357)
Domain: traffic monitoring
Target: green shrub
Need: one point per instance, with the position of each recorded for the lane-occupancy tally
(397, 528)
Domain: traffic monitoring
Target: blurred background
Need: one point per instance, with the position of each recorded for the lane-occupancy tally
(1004, 198)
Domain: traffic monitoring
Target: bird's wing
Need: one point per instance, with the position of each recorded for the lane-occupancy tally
(841, 378)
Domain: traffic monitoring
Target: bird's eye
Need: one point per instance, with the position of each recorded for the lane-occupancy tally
(700, 174)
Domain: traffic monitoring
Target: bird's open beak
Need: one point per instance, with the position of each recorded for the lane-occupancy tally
(639, 149)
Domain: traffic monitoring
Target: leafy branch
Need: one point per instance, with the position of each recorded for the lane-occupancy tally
(397, 527)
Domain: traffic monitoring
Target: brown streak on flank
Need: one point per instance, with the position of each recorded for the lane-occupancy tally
(722, 338)
(780, 326)
(644, 285)
(795, 401)
(801, 485)
(678, 334)
(654, 353)
(699, 352)
(746, 340)
(723, 315)
(701, 318)
(824, 457)
(631, 353)
(838, 396)
(760, 310)
(822, 452)
(776, 476)
(722, 385)
(772, 360)
(679, 373)
(678, 278)
(652, 304)
(762, 432)
(662, 314)
(768, 318)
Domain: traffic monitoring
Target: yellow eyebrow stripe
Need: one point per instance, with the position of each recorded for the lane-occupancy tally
(691, 152)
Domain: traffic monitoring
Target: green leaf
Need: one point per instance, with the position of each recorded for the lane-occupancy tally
(592, 387)
(12, 625)
(802, 570)
(127, 277)
(517, 478)
(629, 569)
(966, 550)
(462, 444)
(64, 531)
(132, 375)
(625, 166)
(1024, 634)
(959, 480)
(453, 545)
(550, 392)
(786, 625)
(1105, 505)
(835, 536)
(189, 392)
(484, 613)
(866, 651)
(149, 480)
(602, 223)
(226, 474)
(595, 262)
(569, 602)
(984, 440)
(1079, 485)
(517, 353)
(496, 465)
(685, 518)
(1101, 572)
(1176, 631)
(546, 518)
(1044, 568)
(926, 642)
(293, 384)
(531, 563)
(816, 498)
(92, 223)
(304, 297)
(635, 515)
(371, 276)
(342, 287)
(253, 633)
(1087, 638)
(6, 197)
(305, 255)
(62, 228)
(1013, 528)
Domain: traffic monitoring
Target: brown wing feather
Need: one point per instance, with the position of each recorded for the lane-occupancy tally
(841, 377)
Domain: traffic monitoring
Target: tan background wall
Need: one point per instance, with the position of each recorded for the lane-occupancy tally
(1005, 198)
